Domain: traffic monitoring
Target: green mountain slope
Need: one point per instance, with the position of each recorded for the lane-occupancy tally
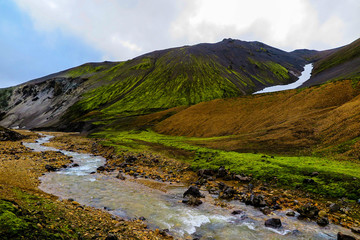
(103, 92)
(341, 63)
(185, 76)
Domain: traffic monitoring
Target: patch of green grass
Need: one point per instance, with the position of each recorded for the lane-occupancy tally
(335, 179)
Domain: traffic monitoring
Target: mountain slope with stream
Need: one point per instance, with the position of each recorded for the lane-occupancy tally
(149, 83)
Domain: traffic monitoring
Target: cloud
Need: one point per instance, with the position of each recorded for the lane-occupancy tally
(282, 23)
(120, 29)
(123, 29)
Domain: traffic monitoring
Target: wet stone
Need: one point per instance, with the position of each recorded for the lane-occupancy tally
(273, 223)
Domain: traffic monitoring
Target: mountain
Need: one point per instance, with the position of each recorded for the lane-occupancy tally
(101, 93)
(337, 64)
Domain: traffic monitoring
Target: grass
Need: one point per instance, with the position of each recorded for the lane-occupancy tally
(335, 179)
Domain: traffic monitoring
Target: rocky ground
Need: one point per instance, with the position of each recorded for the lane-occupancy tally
(220, 182)
(45, 215)
(28, 213)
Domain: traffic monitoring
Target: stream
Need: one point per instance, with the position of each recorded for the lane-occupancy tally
(305, 75)
(129, 199)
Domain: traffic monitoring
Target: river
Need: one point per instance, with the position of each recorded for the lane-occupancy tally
(129, 199)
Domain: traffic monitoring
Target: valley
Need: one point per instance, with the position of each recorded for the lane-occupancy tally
(182, 112)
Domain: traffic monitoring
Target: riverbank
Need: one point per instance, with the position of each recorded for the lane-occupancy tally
(27, 212)
(225, 185)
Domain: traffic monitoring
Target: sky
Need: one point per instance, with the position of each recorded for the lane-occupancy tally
(40, 37)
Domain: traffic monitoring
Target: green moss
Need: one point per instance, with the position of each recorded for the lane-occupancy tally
(336, 179)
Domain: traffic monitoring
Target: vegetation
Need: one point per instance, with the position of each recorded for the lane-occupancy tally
(177, 77)
(335, 179)
(344, 54)
(5, 94)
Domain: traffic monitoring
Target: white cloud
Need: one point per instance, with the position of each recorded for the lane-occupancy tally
(119, 28)
(122, 29)
(282, 23)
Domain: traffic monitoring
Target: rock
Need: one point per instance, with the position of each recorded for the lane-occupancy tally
(265, 210)
(314, 174)
(75, 165)
(308, 211)
(101, 169)
(334, 207)
(242, 179)
(192, 201)
(205, 173)
(323, 221)
(111, 236)
(236, 212)
(250, 187)
(222, 172)
(258, 201)
(228, 193)
(50, 168)
(120, 176)
(222, 186)
(322, 214)
(193, 191)
(273, 223)
(290, 214)
(142, 218)
(341, 236)
(309, 181)
(9, 135)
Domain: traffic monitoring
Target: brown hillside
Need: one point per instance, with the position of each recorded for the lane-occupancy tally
(288, 120)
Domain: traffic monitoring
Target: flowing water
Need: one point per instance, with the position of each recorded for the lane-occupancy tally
(129, 199)
(305, 75)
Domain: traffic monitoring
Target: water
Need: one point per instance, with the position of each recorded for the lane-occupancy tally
(129, 199)
(305, 75)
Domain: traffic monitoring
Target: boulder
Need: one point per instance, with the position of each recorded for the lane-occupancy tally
(222, 172)
(273, 223)
(334, 207)
(341, 236)
(192, 201)
(205, 173)
(120, 176)
(101, 169)
(193, 191)
(290, 214)
(324, 221)
(9, 135)
(242, 179)
(308, 211)
(236, 212)
(265, 210)
(50, 168)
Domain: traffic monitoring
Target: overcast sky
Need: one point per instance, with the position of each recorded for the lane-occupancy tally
(40, 37)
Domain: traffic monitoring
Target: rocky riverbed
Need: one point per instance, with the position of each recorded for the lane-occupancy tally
(45, 215)
(28, 213)
(220, 184)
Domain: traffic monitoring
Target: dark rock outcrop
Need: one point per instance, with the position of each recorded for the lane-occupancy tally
(9, 135)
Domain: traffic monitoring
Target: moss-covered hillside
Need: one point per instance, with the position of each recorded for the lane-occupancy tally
(182, 76)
